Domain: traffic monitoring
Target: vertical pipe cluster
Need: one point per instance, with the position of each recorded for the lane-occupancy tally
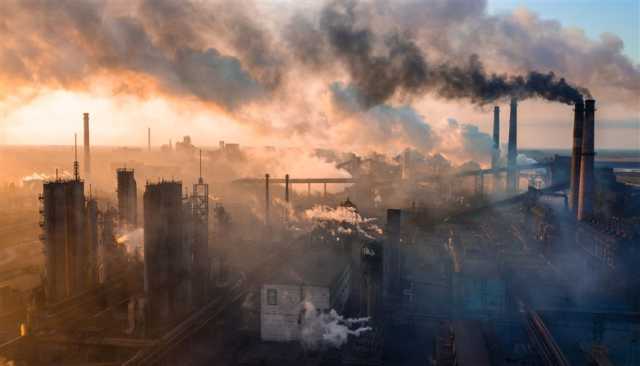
(495, 156)
(576, 156)
(87, 147)
(512, 172)
(586, 189)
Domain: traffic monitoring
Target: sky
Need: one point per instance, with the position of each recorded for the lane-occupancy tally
(620, 17)
(135, 87)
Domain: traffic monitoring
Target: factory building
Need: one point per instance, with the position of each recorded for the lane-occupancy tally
(70, 238)
(127, 198)
(168, 257)
(319, 276)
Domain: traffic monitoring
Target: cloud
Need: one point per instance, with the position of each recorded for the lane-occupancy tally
(321, 73)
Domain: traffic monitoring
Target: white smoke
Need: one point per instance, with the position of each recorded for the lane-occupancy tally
(41, 177)
(133, 242)
(347, 220)
(320, 330)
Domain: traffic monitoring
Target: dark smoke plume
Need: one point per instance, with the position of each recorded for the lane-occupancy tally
(402, 67)
(234, 53)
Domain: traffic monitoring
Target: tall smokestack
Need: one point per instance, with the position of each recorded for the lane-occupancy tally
(586, 190)
(267, 199)
(149, 139)
(286, 188)
(512, 173)
(87, 148)
(576, 156)
(495, 156)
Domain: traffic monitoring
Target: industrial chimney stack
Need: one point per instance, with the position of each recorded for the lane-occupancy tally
(495, 156)
(576, 156)
(87, 147)
(512, 172)
(586, 190)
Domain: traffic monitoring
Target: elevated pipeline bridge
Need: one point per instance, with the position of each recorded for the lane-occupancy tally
(479, 175)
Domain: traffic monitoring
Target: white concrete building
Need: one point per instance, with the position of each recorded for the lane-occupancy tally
(319, 276)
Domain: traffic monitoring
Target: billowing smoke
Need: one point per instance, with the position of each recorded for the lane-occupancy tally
(271, 66)
(401, 67)
(133, 242)
(321, 330)
(70, 43)
(383, 123)
(341, 220)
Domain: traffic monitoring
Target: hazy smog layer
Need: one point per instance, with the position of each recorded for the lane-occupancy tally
(333, 182)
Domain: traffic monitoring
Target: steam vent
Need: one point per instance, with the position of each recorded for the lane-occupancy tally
(319, 183)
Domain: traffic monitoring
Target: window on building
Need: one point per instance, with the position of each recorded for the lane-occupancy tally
(272, 296)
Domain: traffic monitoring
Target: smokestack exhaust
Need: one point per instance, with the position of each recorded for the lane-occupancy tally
(87, 147)
(496, 138)
(512, 172)
(586, 188)
(576, 156)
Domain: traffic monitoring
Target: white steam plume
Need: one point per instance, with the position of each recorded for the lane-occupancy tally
(320, 330)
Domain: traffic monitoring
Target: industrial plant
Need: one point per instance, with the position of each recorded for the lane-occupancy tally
(511, 264)
(333, 183)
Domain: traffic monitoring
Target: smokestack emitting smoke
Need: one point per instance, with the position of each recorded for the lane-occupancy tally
(495, 156)
(87, 147)
(404, 68)
(586, 189)
(512, 172)
(576, 156)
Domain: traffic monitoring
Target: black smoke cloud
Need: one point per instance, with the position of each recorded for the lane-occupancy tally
(401, 67)
(239, 53)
